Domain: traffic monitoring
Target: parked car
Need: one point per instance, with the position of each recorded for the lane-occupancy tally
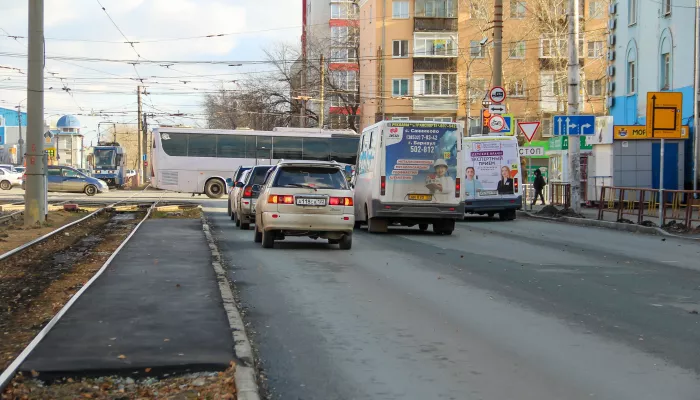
(9, 179)
(237, 174)
(21, 170)
(85, 172)
(9, 167)
(305, 198)
(67, 179)
(235, 193)
(243, 205)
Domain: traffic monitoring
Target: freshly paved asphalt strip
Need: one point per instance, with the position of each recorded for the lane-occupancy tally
(158, 305)
(500, 310)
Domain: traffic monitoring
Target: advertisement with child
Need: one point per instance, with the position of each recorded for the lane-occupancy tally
(422, 162)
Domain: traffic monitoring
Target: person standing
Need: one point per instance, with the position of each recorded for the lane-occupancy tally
(539, 185)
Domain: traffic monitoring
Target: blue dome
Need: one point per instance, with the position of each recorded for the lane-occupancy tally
(68, 121)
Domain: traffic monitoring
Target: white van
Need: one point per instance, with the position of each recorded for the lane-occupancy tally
(409, 173)
(492, 176)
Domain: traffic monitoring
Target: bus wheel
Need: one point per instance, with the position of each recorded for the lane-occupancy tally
(214, 189)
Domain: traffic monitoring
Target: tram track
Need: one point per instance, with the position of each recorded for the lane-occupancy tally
(144, 209)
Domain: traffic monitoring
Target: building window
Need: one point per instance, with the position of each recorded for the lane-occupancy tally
(345, 80)
(631, 76)
(400, 49)
(595, 49)
(343, 10)
(550, 86)
(477, 10)
(342, 36)
(436, 84)
(595, 9)
(476, 50)
(665, 71)
(399, 10)
(436, 8)
(667, 7)
(552, 48)
(632, 12)
(434, 46)
(343, 54)
(400, 118)
(516, 89)
(399, 87)
(438, 119)
(479, 86)
(517, 50)
(594, 87)
(345, 99)
(517, 9)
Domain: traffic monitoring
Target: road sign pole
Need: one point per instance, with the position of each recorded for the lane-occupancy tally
(662, 203)
(532, 185)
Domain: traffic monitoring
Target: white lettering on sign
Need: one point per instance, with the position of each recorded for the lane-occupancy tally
(497, 94)
(531, 151)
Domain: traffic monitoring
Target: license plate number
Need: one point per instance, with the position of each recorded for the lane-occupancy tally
(302, 201)
(421, 197)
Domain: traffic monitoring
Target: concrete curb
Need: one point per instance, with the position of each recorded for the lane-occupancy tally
(246, 385)
(633, 228)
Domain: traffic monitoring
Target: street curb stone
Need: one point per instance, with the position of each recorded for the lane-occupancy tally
(246, 385)
(633, 228)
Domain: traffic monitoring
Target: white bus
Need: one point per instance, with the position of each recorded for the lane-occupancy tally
(203, 160)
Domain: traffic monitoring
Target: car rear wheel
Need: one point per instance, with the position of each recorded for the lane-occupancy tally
(5, 185)
(90, 190)
(214, 189)
(333, 241)
(423, 227)
(376, 225)
(228, 209)
(258, 236)
(238, 220)
(268, 239)
(244, 226)
(346, 242)
(445, 227)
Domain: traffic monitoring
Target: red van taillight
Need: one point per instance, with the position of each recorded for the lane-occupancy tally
(248, 191)
(340, 201)
(281, 199)
(383, 185)
(458, 187)
(515, 185)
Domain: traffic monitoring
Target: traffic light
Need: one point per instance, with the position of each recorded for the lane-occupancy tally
(485, 117)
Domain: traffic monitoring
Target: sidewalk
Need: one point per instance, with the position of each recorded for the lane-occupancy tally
(157, 306)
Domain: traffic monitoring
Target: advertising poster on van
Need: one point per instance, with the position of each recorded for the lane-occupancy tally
(491, 166)
(421, 162)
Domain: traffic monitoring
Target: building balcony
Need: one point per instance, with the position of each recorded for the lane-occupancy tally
(434, 24)
(435, 103)
(435, 65)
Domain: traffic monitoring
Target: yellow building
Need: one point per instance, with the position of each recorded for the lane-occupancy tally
(432, 59)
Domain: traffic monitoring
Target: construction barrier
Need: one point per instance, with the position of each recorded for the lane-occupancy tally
(560, 194)
(637, 203)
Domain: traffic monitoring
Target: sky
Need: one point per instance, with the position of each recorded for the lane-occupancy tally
(80, 36)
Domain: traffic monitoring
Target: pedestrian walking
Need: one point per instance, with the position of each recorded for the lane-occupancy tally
(539, 185)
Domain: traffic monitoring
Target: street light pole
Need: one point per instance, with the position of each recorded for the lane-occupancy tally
(35, 206)
(20, 155)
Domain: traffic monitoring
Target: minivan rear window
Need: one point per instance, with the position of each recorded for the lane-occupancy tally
(258, 177)
(313, 177)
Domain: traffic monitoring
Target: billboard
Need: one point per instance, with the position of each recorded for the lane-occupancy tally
(491, 165)
(421, 162)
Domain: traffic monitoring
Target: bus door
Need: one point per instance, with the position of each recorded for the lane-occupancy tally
(263, 151)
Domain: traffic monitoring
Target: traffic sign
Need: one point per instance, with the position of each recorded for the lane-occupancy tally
(529, 129)
(497, 109)
(497, 123)
(570, 125)
(497, 94)
(636, 132)
(664, 114)
(531, 151)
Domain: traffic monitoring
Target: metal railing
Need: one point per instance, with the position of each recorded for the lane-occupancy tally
(638, 203)
(530, 193)
(560, 194)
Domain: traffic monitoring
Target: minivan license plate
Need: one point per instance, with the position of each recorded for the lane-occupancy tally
(421, 197)
(305, 201)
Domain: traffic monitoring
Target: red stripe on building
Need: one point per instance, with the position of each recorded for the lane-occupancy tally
(343, 110)
(344, 22)
(344, 66)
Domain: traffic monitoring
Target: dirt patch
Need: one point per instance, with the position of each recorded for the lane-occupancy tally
(553, 212)
(37, 282)
(675, 227)
(548, 211)
(649, 224)
(205, 385)
(184, 213)
(14, 234)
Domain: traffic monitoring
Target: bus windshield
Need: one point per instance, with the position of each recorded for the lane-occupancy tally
(104, 158)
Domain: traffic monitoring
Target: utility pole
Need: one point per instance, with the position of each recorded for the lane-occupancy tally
(323, 92)
(573, 104)
(139, 176)
(696, 103)
(497, 43)
(144, 145)
(20, 155)
(35, 206)
(382, 89)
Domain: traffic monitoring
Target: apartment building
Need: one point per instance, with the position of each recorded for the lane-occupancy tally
(330, 31)
(432, 59)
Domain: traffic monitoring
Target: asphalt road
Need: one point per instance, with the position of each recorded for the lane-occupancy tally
(500, 310)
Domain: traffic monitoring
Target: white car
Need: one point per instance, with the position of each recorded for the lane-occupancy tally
(9, 179)
(244, 195)
(305, 198)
